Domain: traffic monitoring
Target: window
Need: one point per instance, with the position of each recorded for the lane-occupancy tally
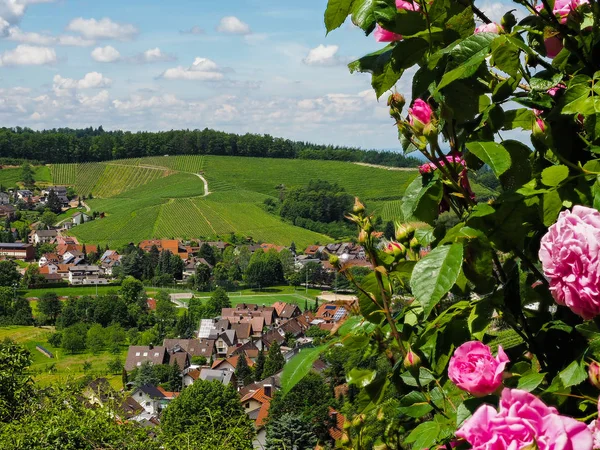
(137, 353)
(156, 354)
(145, 353)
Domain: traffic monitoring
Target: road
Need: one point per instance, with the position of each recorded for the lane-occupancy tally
(206, 191)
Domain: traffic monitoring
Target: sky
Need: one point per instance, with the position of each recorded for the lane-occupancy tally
(252, 66)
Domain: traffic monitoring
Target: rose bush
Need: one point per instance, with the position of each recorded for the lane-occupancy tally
(516, 275)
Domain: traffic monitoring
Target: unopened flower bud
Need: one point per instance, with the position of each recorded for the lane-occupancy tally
(396, 103)
(539, 129)
(362, 236)
(415, 245)
(358, 206)
(419, 115)
(396, 249)
(412, 360)
(404, 232)
(594, 374)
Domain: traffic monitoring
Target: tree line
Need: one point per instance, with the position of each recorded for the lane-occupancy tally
(66, 145)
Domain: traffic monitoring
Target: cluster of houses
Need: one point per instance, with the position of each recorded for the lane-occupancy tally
(239, 332)
(30, 200)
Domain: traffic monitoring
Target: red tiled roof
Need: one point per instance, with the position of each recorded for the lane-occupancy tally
(336, 432)
(233, 360)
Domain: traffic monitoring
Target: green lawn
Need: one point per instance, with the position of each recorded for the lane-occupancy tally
(63, 366)
(69, 291)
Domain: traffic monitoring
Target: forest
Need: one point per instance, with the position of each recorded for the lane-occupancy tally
(65, 145)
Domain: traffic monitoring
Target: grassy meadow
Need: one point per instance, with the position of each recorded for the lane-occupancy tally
(63, 366)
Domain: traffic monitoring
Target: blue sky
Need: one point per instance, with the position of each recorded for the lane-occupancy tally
(261, 66)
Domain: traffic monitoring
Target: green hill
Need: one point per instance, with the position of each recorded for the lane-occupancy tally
(163, 197)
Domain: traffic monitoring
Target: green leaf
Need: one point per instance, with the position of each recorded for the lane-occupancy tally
(368, 308)
(422, 200)
(573, 374)
(505, 55)
(519, 118)
(363, 14)
(480, 318)
(529, 381)
(415, 404)
(551, 206)
(553, 176)
(336, 13)
(466, 57)
(574, 98)
(468, 407)
(493, 154)
(361, 377)
(379, 65)
(545, 80)
(520, 169)
(434, 275)
(424, 435)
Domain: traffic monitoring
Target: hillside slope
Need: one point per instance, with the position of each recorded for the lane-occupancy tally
(163, 197)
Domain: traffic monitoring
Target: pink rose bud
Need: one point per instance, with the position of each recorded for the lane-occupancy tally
(523, 421)
(570, 256)
(419, 115)
(396, 249)
(412, 360)
(553, 46)
(594, 374)
(383, 35)
(473, 368)
(489, 28)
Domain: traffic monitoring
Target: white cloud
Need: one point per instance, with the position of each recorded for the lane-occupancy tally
(202, 69)
(65, 86)
(74, 41)
(102, 29)
(28, 55)
(233, 25)
(106, 54)
(18, 35)
(194, 30)
(12, 10)
(323, 55)
(155, 55)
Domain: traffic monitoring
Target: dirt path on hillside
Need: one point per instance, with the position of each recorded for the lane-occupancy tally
(377, 166)
(206, 191)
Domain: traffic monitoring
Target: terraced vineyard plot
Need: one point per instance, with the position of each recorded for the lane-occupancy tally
(121, 178)
(64, 174)
(88, 175)
(391, 210)
(181, 218)
(181, 163)
(179, 185)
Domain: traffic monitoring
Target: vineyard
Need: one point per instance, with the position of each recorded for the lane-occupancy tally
(162, 197)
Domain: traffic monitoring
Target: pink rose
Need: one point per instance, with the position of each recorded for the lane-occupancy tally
(562, 8)
(473, 368)
(556, 89)
(420, 113)
(383, 35)
(594, 428)
(523, 420)
(489, 28)
(569, 253)
(594, 374)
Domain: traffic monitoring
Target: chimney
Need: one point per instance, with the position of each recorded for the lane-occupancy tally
(268, 390)
(334, 415)
(151, 346)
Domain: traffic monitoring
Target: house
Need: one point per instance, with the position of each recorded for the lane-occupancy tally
(25, 252)
(207, 327)
(286, 311)
(182, 359)
(73, 257)
(109, 260)
(243, 331)
(337, 420)
(137, 354)
(24, 194)
(86, 275)
(226, 342)
(256, 404)
(80, 217)
(331, 313)
(276, 335)
(230, 363)
(223, 376)
(66, 240)
(150, 398)
(42, 236)
(98, 391)
(190, 377)
(171, 245)
(7, 211)
(314, 250)
(4, 198)
(60, 191)
(193, 347)
(249, 349)
(244, 310)
(48, 258)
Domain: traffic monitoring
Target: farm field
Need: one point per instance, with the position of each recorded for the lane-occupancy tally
(10, 176)
(63, 366)
(162, 197)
